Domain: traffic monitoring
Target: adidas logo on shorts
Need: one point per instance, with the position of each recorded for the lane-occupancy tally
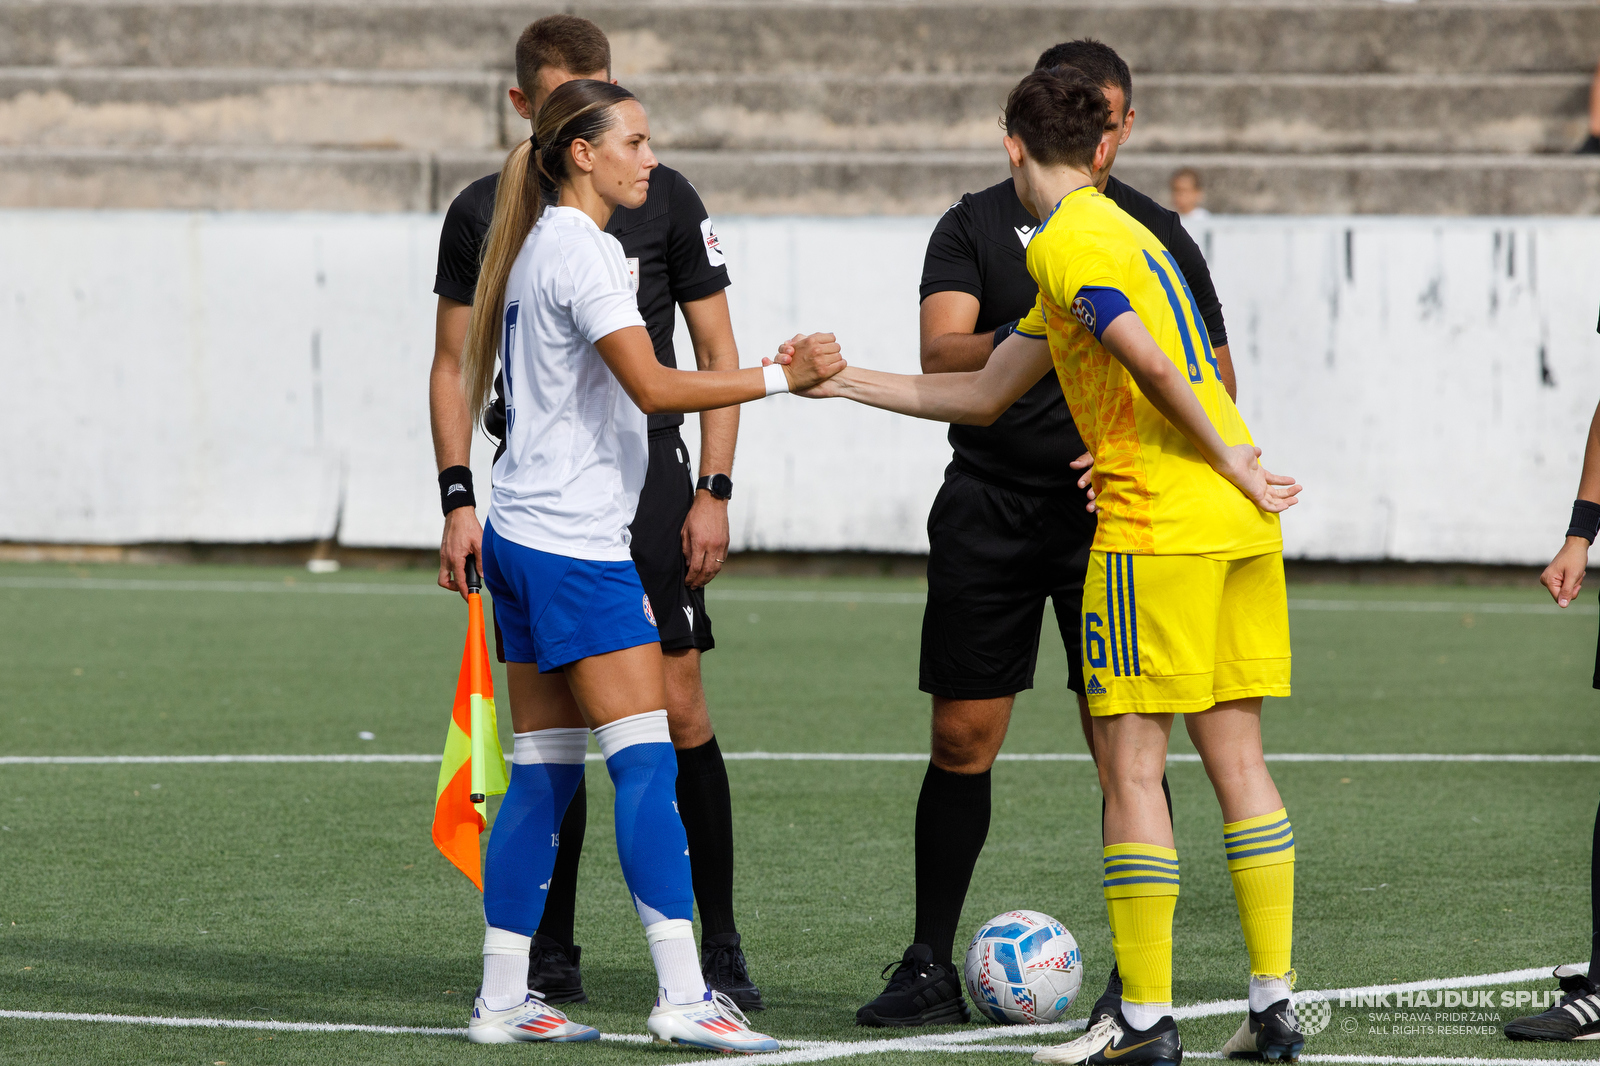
(1094, 687)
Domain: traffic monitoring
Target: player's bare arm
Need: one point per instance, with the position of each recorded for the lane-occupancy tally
(705, 531)
(1168, 392)
(451, 422)
(949, 345)
(1564, 576)
(975, 398)
(657, 389)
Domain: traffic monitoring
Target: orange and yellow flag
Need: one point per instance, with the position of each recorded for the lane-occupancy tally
(474, 766)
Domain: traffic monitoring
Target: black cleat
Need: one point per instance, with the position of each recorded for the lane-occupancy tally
(1111, 1041)
(1576, 1017)
(722, 965)
(1272, 1035)
(1110, 1000)
(920, 992)
(553, 971)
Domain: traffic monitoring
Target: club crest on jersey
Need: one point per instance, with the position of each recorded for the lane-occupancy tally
(649, 615)
(1083, 311)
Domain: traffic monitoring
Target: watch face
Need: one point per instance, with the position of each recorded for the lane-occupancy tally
(721, 486)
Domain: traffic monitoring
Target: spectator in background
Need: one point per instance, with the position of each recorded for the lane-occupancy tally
(1188, 195)
(1591, 146)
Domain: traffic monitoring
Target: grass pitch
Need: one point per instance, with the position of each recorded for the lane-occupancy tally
(311, 893)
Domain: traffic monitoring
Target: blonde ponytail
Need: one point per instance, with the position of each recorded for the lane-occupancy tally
(517, 206)
(581, 108)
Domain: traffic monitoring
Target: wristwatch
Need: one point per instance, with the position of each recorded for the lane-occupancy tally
(719, 485)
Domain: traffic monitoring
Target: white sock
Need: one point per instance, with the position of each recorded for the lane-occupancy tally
(505, 968)
(1143, 1015)
(1265, 991)
(677, 963)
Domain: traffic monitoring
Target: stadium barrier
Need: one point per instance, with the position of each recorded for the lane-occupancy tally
(256, 377)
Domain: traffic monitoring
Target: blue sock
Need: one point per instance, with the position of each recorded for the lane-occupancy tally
(650, 838)
(546, 767)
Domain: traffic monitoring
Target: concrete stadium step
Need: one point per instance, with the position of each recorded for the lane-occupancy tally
(1176, 112)
(122, 107)
(861, 37)
(776, 183)
(442, 110)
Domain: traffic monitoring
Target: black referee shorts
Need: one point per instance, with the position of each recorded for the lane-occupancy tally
(658, 548)
(994, 557)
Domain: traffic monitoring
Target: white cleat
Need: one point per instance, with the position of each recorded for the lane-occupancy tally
(714, 1024)
(530, 1020)
(1098, 1038)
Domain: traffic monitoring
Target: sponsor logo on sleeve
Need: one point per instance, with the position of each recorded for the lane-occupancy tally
(713, 245)
(633, 274)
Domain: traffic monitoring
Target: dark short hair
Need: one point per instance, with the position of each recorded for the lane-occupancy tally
(1096, 59)
(565, 42)
(1059, 115)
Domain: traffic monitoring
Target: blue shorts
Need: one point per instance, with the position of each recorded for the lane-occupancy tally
(554, 610)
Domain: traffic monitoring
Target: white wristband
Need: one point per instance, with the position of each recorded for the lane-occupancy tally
(777, 380)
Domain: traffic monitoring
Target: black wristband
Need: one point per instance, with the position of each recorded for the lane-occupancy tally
(1585, 520)
(1002, 332)
(455, 488)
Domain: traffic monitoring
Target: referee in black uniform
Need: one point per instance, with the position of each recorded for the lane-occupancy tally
(680, 531)
(1009, 530)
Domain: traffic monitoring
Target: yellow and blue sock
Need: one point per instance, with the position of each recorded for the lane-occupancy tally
(1141, 889)
(1261, 862)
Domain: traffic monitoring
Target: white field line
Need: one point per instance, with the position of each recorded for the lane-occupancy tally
(776, 756)
(950, 1041)
(912, 599)
(823, 1050)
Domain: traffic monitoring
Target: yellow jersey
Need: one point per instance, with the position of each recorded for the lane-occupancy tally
(1155, 492)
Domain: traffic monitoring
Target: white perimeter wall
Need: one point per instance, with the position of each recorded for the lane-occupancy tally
(262, 377)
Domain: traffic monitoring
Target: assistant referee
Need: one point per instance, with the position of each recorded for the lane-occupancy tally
(680, 531)
(1009, 529)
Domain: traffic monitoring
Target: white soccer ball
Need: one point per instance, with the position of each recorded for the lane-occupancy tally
(1023, 968)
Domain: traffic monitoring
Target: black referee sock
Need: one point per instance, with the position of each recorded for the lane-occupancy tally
(952, 824)
(706, 807)
(561, 901)
(1167, 792)
(1594, 903)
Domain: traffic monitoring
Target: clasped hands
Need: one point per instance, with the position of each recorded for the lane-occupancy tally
(809, 361)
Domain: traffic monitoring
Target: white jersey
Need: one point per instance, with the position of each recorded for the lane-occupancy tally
(576, 444)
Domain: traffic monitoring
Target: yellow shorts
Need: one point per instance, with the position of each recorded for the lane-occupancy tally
(1167, 634)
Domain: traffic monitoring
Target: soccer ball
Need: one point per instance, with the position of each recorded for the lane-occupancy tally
(1023, 968)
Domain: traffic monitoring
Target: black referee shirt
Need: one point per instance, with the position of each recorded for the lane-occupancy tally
(670, 237)
(980, 247)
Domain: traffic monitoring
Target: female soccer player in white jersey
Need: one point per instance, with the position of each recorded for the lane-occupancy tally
(556, 302)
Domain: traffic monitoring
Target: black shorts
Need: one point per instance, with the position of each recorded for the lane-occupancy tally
(994, 557)
(658, 548)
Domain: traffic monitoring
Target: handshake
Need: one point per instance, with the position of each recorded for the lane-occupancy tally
(811, 363)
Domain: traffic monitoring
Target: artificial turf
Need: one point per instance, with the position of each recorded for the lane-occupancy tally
(311, 893)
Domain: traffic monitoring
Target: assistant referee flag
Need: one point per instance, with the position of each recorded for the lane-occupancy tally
(474, 767)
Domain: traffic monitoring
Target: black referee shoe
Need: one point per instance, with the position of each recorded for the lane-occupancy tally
(722, 965)
(1576, 1017)
(553, 971)
(920, 992)
(1110, 1001)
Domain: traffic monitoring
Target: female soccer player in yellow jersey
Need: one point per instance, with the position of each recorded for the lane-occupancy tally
(1184, 607)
